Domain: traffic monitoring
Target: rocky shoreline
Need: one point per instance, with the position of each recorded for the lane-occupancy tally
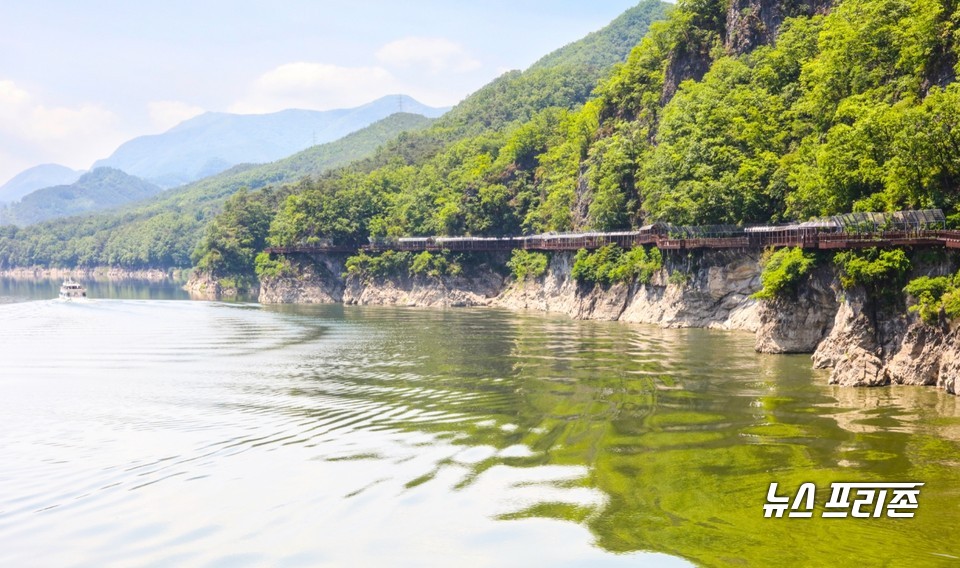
(717, 296)
(842, 329)
(203, 286)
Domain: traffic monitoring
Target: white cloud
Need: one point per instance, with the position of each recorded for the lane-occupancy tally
(33, 131)
(11, 94)
(439, 55)
(166, 114)
(70, 125)
(316, 86)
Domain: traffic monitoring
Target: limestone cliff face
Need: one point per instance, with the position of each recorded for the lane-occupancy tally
(738, 26)
(316, 281)
(874, 342)
(799, 322)
(320, 280)
(204, 286)
(852, 349)
(871, 346)
(948, 376)
(865, 341)
(752, 23)
(478, 290)
(714, 292)
(916, 358)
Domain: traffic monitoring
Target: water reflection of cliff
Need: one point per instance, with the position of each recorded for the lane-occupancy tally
(676, 433)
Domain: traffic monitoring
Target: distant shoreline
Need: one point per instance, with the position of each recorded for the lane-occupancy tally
(97, 273)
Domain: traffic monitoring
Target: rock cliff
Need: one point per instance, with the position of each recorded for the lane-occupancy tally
(797, 323)
(205, 286)
(424, 291)
(738, 26)
(713, 290)
(313, 281)
(868, 346)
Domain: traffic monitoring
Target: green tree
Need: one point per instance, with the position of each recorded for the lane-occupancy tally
(233, 240)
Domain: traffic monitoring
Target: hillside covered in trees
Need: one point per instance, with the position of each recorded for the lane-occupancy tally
(212, 142)
(430, 182)
(728, 112)
(100, 188)
(164, 230)
(37, 177)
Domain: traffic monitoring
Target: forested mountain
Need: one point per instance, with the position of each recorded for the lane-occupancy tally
(728, 112)
(563, 78)
(163, 231)
(101, 188)
(598, 50)
(429, 182)
(310, 162)
(37, 177)
(215, 141)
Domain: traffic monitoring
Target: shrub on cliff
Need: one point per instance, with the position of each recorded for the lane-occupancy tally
(595, 267)
(526, 264)
(935, 295)
(392, 264)
(268, 267)
(679, 278)
(610, 264)
(782, 271)
(872, 268)
(435, 265)
(389, 263)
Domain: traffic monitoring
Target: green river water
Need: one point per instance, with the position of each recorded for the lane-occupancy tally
(139, 429)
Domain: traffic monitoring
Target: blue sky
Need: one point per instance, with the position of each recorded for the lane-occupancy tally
(78, 78)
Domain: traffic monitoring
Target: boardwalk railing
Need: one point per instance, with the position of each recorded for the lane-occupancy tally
(808, 239)
(853, 230)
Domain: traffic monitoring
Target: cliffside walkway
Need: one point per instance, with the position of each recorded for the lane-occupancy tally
(824, 241)
(923, 228)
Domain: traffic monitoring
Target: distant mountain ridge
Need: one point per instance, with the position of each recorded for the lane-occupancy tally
(100, 188)
(37, 177)
(213, 142)
(164, 230)
(313, 161)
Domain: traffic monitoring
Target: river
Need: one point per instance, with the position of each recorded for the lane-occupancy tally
(140, 429)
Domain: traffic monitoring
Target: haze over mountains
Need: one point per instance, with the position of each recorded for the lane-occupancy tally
(199, 148)
(37, 177)
(97, 189)
(108, 188)
(214, 141)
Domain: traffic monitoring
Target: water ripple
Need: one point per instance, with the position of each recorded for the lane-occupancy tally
(137, 432)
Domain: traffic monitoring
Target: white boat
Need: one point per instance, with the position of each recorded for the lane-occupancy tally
(71, 290)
